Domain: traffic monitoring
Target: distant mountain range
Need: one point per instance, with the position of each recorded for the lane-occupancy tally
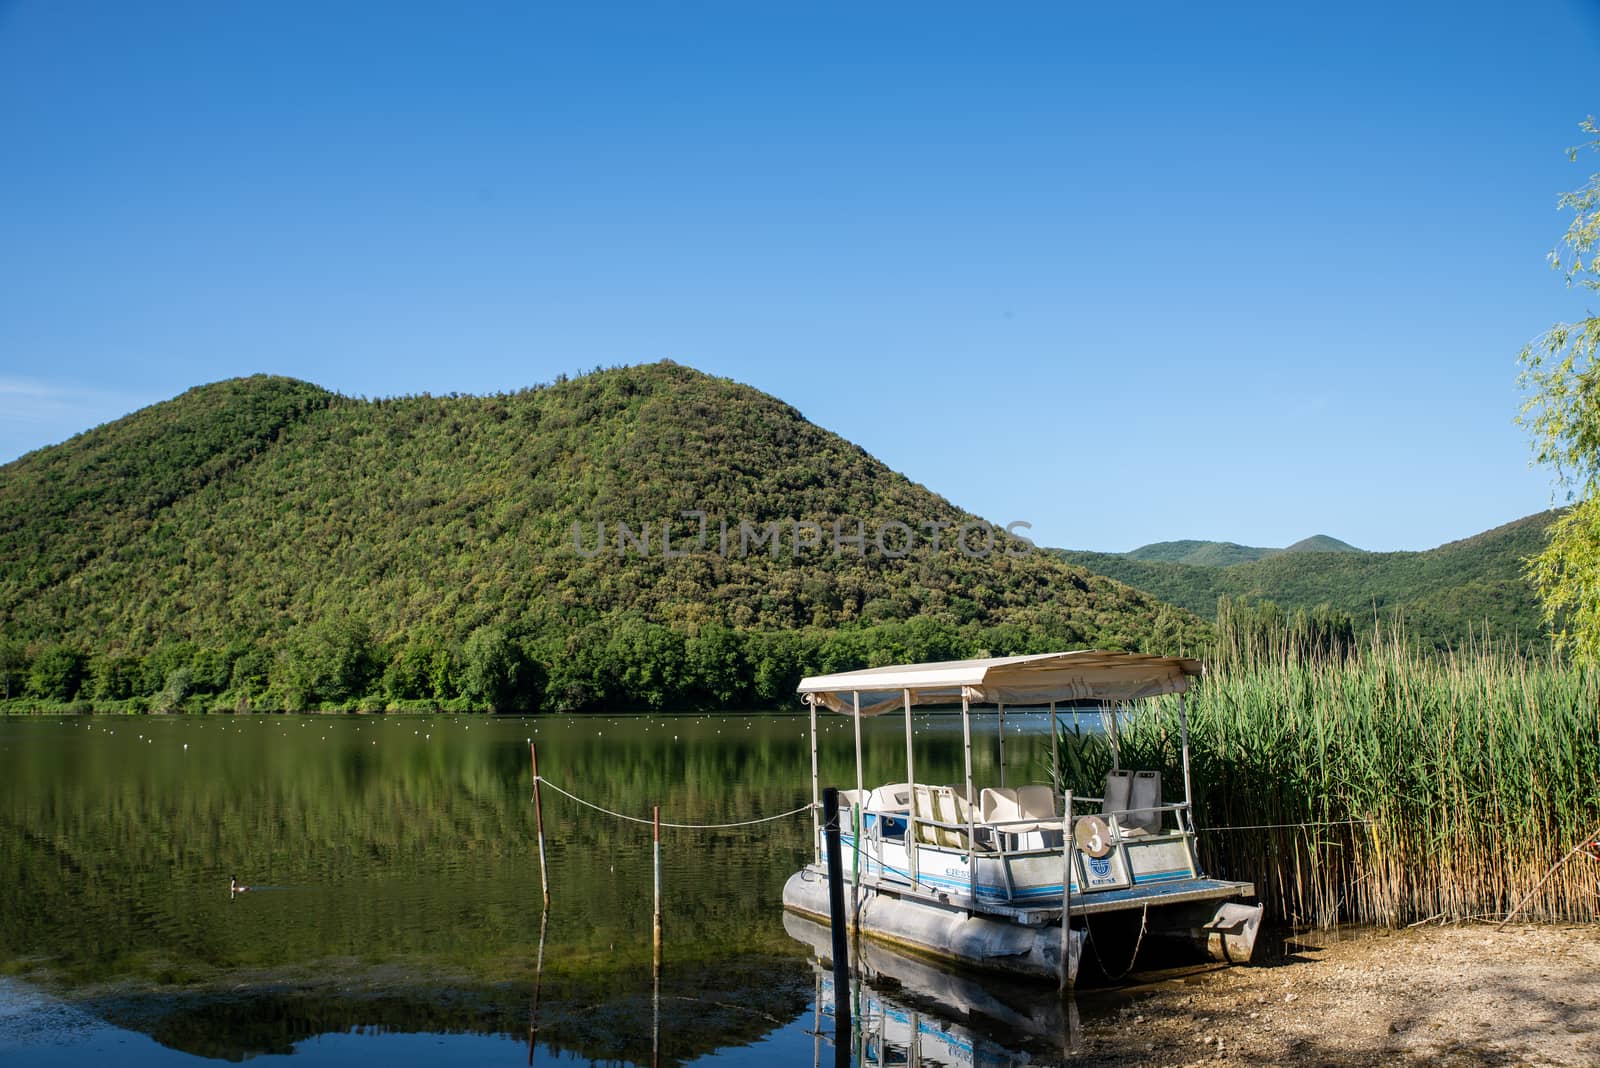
(1227, 553)
(1441, 594)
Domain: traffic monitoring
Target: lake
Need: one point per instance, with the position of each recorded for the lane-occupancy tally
(395, 908)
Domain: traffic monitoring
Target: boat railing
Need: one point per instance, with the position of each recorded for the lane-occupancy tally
(991, 834)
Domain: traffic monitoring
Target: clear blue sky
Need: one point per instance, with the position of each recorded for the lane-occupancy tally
(1127, 272)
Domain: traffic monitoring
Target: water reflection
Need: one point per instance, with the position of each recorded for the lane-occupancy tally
(909, 1011)
(395, 896)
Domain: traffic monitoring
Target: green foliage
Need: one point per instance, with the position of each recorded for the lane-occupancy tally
(331, 660)
(13, 667)
(1443, 597)
(1562, 414)
(495, 672)
(1567, 575)
(235, 530)
(57, 673)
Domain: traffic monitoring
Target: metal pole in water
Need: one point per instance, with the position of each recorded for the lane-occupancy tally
(856, 824)
(911, 780)
(657, 940)
(966, 748)
(655, 1016)
(1067, 978)
(836, 919)
(538, 983)
(816, 812)
(1055, 750)
(1002, 707)
(538, 822)
(1188, 788)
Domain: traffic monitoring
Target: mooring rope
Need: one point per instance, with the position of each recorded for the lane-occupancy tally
(676, 826)
(1286, 826)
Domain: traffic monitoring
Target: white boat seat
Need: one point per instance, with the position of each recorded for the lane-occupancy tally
(1038, 802)
(999, 805)
(1144, 800)
(847, 799)
(1135, 791)
(953, 808)
(893, 798)
(1119, 787)
(924, 809)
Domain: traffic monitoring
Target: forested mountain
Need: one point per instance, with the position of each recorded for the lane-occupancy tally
(264, 541)
(1227, 553)
(1441, 594)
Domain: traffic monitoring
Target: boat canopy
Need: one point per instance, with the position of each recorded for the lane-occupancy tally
(1033, 679)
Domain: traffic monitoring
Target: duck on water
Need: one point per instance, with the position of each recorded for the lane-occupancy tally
(1005, 877)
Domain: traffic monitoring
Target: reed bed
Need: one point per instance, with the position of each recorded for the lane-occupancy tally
(1375, 784)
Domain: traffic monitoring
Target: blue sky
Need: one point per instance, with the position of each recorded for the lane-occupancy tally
(1128, 273)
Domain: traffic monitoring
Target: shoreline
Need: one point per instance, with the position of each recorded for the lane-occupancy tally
(1459, 995)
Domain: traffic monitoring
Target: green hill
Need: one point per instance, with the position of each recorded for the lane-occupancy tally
(1321, 543)
(1442, 594)
(1202, 553)
(1227, 553)
(264, 540)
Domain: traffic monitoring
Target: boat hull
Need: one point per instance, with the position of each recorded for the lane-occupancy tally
(1193, 911)
(943, 931)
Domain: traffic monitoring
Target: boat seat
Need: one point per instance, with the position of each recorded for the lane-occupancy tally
(1143, 801)
(1038, 802)
(999, 805)
(923, 806)
(847, 799)
(1129, 790)
(892, 798)
(952, 808)
(960, 811)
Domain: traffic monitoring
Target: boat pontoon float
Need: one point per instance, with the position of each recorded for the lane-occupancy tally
(1011, 878)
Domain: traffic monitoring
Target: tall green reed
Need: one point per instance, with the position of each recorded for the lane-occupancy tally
(1370, 783)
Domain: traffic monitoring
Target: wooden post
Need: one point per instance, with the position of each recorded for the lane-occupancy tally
(538, 823)
(836, 919)
(657, 939)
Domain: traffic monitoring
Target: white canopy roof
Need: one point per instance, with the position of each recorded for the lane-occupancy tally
(1034, 679)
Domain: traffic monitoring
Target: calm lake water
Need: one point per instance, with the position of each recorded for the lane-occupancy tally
(395, 911)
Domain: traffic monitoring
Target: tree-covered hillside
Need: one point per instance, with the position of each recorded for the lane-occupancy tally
(265, 541)
(1441, 594)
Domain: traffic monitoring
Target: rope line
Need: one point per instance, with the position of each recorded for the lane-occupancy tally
(1286, 826)
(676, 826)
